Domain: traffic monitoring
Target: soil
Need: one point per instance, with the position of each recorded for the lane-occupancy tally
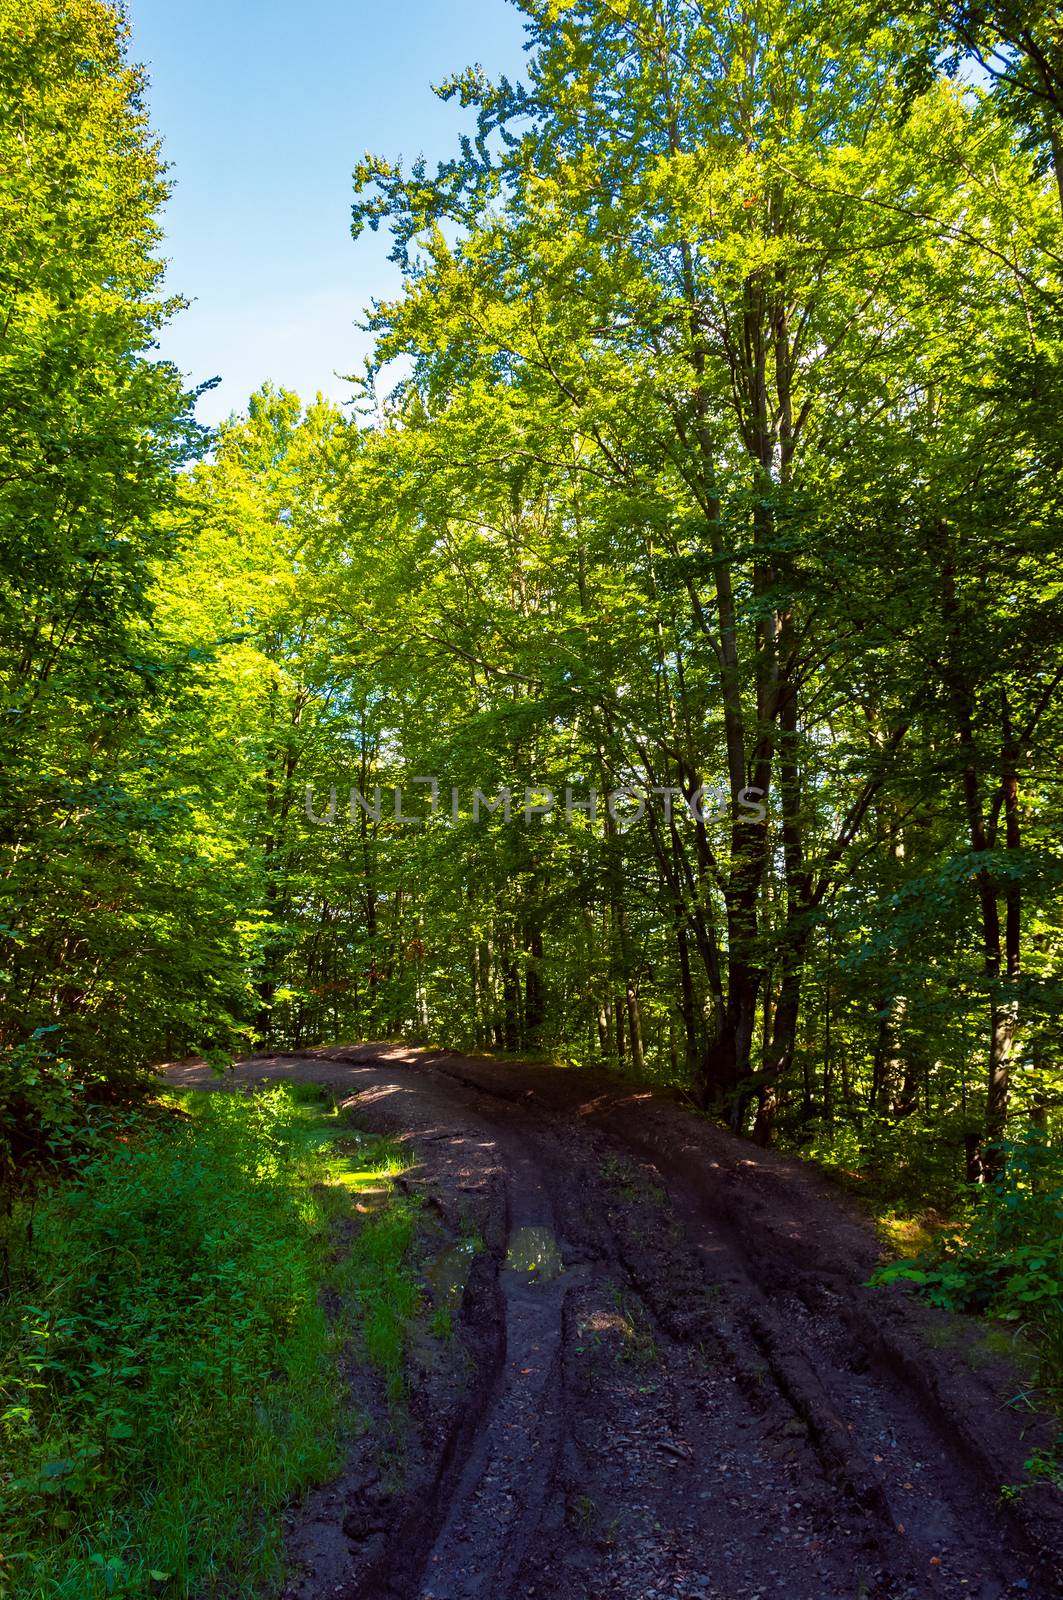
(669, 1379)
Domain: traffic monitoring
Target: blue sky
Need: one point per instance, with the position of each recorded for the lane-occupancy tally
(264, 106)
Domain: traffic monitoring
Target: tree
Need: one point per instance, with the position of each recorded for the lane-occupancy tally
(92, 429)
(694, 264)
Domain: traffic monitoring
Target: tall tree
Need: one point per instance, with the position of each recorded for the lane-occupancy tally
(92, 428)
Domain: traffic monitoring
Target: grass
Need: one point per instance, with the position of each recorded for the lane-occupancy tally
(169, 1378)
(442, 1323)
(638, 1341)
(380, 1293)
(907, 1235)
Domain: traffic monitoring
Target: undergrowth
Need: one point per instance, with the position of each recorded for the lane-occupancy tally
(168, 1375)
(1005, 1260)
(902, 1167)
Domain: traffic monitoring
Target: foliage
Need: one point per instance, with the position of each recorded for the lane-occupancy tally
(1007, 1261)
(910, 1162)
(38, 1097)
(98, 842)
(1017, 47)
(690, 356)
(725, 461)
(169, 1378)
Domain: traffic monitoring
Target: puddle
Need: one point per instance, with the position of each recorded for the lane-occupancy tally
(536, 1252)
(449, 1270)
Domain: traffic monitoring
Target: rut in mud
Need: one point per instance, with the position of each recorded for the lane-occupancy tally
(674, 1382)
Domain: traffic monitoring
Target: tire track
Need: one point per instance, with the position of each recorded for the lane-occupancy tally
(702, 1402)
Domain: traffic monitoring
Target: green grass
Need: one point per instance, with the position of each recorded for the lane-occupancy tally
(380, 1292)
(168, 1376)
(442, 1323)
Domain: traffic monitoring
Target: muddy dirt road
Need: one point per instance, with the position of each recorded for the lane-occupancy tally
(671, 1381)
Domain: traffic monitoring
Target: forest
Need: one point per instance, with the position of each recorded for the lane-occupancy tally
(655, 671)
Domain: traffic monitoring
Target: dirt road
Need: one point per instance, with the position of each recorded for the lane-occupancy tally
(670, 1379)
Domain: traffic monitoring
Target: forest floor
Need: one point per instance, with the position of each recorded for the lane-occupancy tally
(667, 1377)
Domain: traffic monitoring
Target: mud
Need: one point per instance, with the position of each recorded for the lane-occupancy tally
(668, 1379)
